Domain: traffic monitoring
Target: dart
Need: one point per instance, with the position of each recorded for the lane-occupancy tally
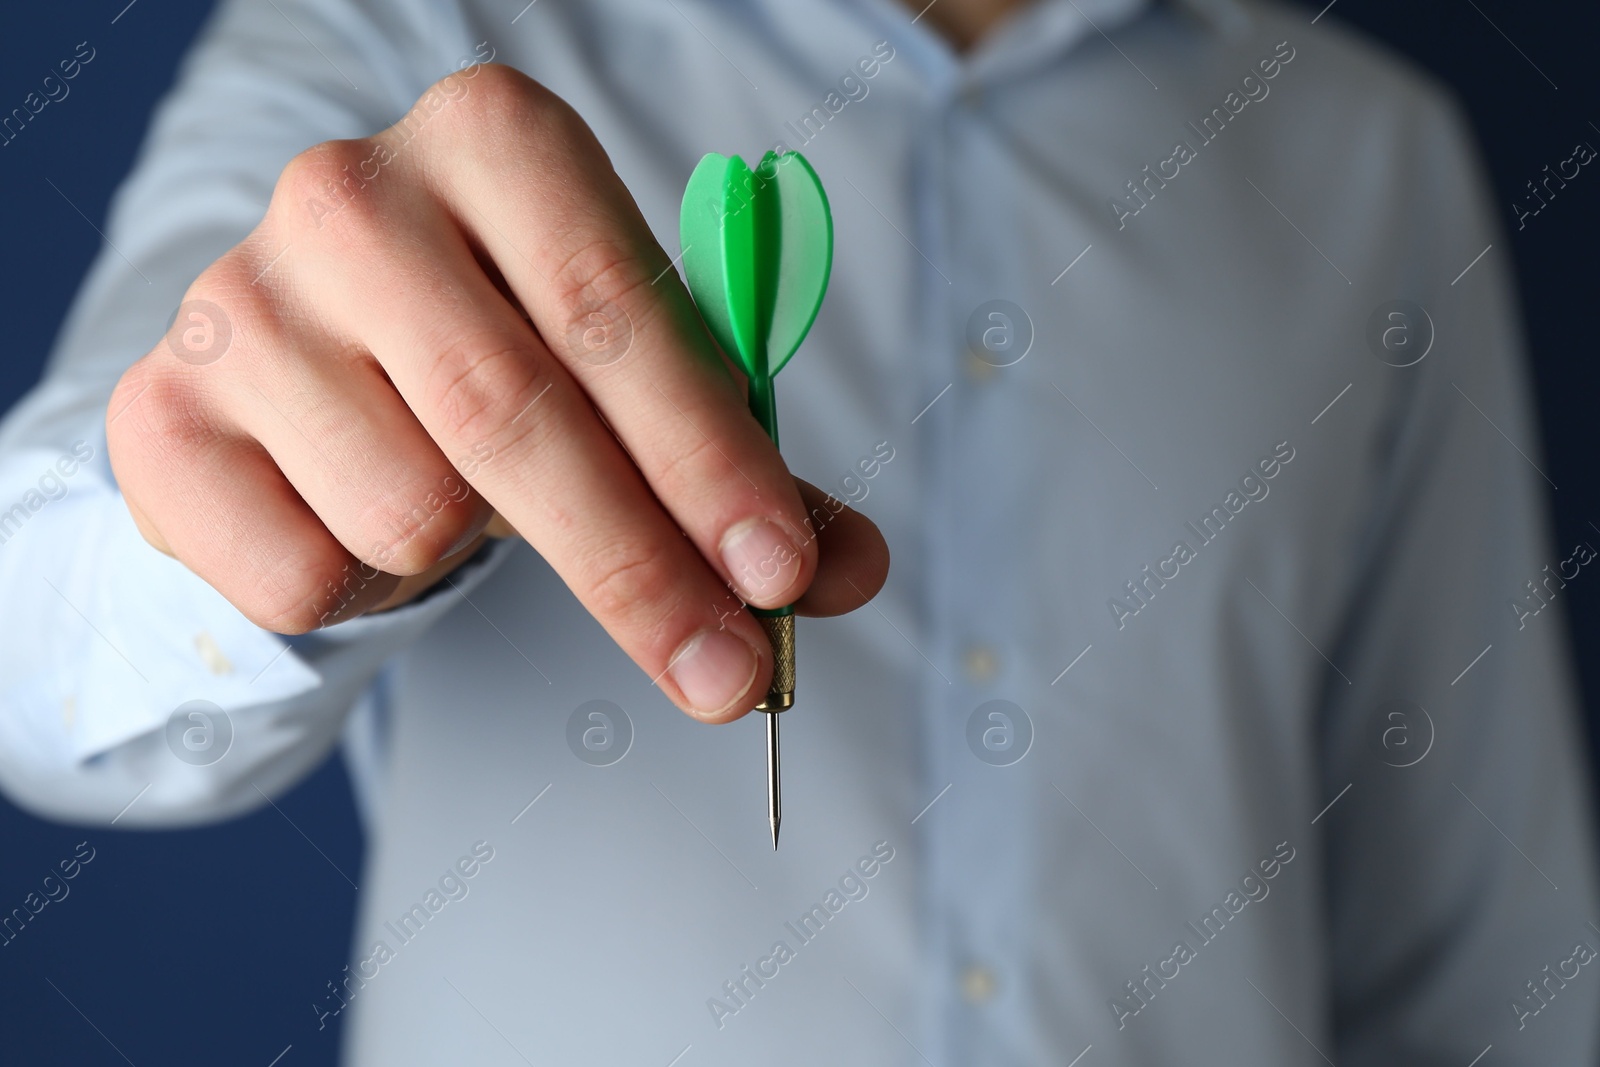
(757, 250)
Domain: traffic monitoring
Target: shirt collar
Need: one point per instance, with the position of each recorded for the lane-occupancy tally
(1035, 35)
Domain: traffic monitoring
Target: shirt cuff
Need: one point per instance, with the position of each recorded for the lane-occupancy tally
(125, 635)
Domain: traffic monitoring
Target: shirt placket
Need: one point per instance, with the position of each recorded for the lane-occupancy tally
(977, 467)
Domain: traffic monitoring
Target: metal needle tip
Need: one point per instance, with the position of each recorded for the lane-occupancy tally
(774, 787)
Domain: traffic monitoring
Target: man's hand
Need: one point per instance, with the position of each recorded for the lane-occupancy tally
(463, 327)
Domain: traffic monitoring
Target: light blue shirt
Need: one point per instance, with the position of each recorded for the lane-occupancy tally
(1285, 768)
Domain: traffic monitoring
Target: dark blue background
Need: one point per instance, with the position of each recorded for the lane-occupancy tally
(211, 945)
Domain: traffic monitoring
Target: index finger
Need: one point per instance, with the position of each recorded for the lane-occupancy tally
(541, 198)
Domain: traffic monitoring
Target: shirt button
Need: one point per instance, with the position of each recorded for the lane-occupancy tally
(980, 663)
(971, 96)
(978, 368)
(977, 984)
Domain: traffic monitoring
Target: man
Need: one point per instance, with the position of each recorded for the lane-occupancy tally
(1212, 712)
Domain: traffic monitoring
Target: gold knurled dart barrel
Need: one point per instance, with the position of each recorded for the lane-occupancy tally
(780, 695)
(780, 632)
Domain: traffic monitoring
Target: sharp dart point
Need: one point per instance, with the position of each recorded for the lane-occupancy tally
(774, 785)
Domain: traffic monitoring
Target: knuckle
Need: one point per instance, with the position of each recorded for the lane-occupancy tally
(486, 105)
(502, 98)
(411, 534)
(495, 90)
(236, 285)
(628, 580)
(153, 408)
(311, 172)
(689, 467)
(274, 605)
(480, 385)
(229, 277)
(130, 388)
(308, 590)
(601, 273)
(557, 123)
(322, 181)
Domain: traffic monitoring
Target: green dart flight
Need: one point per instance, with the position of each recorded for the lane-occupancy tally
(757, 250)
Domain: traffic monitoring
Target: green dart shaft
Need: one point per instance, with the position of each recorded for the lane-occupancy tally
(764, 406)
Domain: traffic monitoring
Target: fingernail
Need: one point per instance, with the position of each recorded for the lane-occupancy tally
(463, 541)
(713, 669)
(761, 559)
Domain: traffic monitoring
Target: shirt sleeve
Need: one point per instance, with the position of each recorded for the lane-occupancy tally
(1459, 849)
(134, 692)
